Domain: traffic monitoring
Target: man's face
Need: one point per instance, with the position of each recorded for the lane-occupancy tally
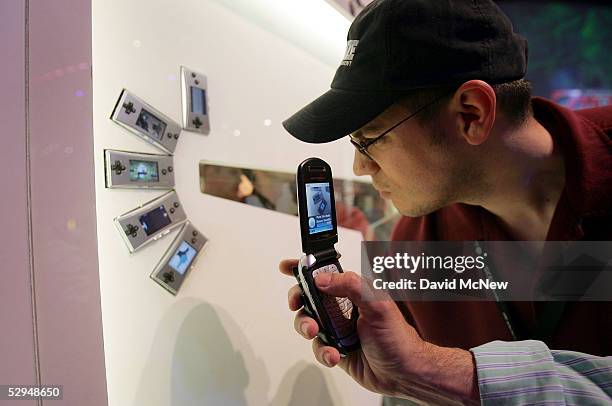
(419, 168)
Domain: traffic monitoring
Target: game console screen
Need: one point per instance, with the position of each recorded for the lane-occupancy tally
(152, 125)
(198, 100)
(155, 220)
(319, 207)
(143, 171)
(182, 258)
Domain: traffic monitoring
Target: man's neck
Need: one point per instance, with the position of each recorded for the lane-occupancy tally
(527, 177)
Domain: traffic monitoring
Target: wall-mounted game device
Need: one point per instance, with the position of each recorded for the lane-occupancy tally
(137, 170)
(179, 259)
(146, 122)
(195, 105)
(151, 221)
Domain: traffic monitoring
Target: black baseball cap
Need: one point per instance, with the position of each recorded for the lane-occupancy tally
(396, 46)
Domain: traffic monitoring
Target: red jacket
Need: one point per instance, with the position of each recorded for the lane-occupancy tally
(584, 212)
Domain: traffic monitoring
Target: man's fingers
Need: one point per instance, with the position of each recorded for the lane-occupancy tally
(286, 266)
(347, 284)
(351, 285)
(295, 298)
(328, 356)
(305, 326)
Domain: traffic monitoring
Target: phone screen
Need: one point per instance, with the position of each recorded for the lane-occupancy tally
(318, 202)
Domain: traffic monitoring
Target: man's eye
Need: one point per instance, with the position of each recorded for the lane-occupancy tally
(365, 140)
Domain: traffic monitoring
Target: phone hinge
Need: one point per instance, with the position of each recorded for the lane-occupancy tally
(326, 254)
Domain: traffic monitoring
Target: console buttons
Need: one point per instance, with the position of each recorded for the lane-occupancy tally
(176, 136)
(197, 122)
(168, 277)
(164, 172)
(194, 233)
(172, 210)
(170, 169)
(194, 240)
(176, 204)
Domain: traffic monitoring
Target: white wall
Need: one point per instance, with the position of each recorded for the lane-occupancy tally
(228, 337)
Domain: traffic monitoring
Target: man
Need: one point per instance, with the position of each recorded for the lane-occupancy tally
(432, 96)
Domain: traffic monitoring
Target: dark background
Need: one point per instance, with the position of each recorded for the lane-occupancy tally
(570, 49)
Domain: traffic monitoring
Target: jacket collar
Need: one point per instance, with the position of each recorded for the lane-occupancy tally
(587, 152)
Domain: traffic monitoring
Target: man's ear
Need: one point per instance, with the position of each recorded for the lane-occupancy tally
(473, 108)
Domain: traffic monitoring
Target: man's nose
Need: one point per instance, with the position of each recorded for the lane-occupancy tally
(362, 165)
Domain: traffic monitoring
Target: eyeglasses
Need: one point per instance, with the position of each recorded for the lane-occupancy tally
(363, 148)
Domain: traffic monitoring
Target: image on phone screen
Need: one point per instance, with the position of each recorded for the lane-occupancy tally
(318, 202)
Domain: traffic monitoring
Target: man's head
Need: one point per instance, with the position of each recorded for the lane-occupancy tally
(439, 155)
(402, 55)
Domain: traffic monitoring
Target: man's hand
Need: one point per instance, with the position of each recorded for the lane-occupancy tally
(393, 359)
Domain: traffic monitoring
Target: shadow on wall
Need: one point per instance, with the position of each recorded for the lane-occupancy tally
(304, 385)
(194, 362)
(206, 368)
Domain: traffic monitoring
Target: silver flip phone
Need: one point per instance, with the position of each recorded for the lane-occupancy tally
(337, 317)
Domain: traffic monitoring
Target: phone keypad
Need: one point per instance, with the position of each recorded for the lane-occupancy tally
(339, 309)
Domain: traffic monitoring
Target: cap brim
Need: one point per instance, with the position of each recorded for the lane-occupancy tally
(336, 114)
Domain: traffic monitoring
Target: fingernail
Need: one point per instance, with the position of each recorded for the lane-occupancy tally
(327, 359)
(323, 280)
(304, 328)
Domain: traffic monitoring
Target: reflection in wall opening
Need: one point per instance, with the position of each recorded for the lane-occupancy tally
(358, 204)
